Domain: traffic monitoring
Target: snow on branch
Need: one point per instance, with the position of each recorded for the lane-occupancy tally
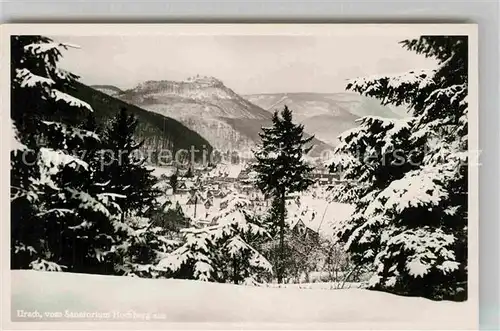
(110, 196)
(58, 211)
(72, 132)
(20, 247)
(83, 225)
(53, 160)
(415, 189)
(109, 200)
(44, 265)
(424, 250)
(427, 249)
(454, 94)
(394, 89)
(28, 79)
(62, 74)
(42, 48)
(383, 122)
(70, 100)
(87, 202)
(374, 127)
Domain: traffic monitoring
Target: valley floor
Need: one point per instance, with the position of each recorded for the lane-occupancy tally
(120, 299)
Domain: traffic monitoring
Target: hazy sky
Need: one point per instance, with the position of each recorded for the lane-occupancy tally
(247, 64)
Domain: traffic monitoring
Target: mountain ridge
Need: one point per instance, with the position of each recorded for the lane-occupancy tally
(203, 90)
(159, 132)
(205, 105)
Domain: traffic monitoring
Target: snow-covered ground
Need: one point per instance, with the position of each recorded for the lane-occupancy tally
(165, 170)
(317, 285)
(317, 213)
(183, 301)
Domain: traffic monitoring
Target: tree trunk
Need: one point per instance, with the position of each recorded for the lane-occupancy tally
(281, 260)
(235, 272)
(195, 203)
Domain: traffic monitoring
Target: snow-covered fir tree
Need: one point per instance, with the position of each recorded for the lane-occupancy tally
(124, 167)
(152, 226)
(58, 221)
(144, 247)
(269, 220)
(410, 223)
(281, 169)
(222, 252)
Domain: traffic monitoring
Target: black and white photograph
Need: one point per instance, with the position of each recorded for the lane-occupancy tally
(242, 176)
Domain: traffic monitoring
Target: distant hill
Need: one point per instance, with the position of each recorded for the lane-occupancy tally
(158, 131)
(326, 115)
(311, 104)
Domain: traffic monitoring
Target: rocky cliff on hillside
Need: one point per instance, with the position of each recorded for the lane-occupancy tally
(204, 104)
(200, 96)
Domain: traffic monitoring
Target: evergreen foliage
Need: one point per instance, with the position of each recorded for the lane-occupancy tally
(281, 169)
(223, 252)
(123, 165)
(144, 248)
(59, 219)
(410, 223)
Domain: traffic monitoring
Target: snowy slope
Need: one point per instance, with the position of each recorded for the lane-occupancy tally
(108, 89)
(187, 301)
